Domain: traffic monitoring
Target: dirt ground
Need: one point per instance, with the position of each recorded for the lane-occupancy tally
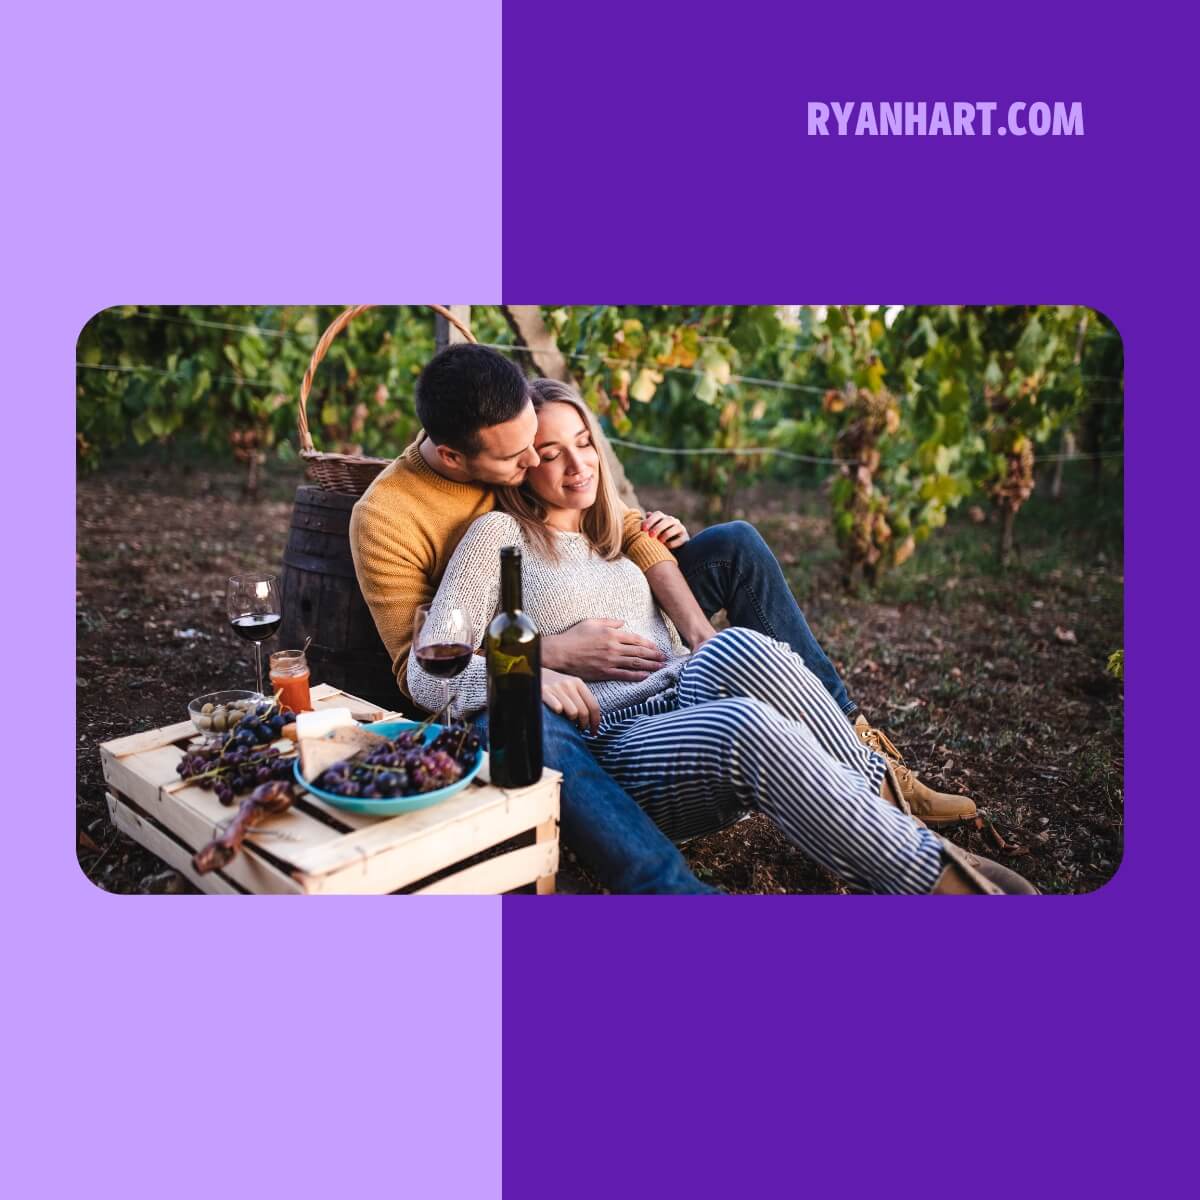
(990, 682)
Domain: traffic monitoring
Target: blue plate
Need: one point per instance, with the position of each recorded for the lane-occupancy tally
(396, 804)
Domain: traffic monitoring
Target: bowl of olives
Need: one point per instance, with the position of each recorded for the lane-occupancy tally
(218, 713)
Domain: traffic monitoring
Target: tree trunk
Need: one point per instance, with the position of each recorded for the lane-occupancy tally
(250, 486)
(729, 502)
(531, 333)
(1007, 543)
(1066, 447)
(445, 334)
(1093, 439)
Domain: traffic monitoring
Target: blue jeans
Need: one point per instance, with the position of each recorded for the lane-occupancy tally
(728, 567)
(603, 824)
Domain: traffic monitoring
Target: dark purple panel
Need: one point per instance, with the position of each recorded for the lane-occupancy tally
(856, 1046)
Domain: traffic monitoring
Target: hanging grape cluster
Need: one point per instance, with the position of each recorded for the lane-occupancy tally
(975, 393)
(861, 508)
(1013, 484)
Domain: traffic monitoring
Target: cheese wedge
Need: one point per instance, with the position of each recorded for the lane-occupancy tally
(319, 753)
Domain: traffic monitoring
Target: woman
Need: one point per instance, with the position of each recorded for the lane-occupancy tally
(738, 723)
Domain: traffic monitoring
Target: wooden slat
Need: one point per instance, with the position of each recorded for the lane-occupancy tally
(142, 776)
(407, 829)
(147, 834)
(347, 820)
(150, 739)
(248, 868)
(501, 874)
(194, 816)
(152, 783)
(325, 696)
(403, 849)
(157, 755)
(547, 831)
(297, 851)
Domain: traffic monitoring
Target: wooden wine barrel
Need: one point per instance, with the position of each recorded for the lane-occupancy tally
(322, 600)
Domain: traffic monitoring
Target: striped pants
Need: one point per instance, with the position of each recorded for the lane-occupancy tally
(749, 726)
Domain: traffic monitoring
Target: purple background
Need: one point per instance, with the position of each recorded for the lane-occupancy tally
(295, 153)
(233, 153)
(857, 1046)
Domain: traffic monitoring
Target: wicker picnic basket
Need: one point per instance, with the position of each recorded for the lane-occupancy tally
(350, 474)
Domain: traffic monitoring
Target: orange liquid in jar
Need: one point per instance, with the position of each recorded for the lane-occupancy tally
(293, 689)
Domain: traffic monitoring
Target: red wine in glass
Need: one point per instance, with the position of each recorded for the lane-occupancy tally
(255, 612)
(444, 659)
(256, 627)
(442, 646)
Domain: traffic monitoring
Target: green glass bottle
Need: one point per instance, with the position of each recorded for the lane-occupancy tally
(514, 667)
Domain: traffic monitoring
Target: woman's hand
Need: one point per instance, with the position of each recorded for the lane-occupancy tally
(669, 530)
(569, 695)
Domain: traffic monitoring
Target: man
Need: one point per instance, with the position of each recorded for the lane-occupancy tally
(479, 427)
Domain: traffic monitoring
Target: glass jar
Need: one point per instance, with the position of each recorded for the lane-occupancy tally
(289, 680)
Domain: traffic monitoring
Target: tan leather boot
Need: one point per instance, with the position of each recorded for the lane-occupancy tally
(973, 875)
(933, 808)
(895, 797)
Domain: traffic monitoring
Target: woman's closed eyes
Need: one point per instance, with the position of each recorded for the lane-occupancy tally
(580, 445)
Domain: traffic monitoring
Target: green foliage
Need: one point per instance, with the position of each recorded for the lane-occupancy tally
(924, 406)
(678, 377)
(231, 377)
(975, 393)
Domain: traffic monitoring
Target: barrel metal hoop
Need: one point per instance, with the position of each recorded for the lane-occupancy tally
(336, 523)
(318, 565)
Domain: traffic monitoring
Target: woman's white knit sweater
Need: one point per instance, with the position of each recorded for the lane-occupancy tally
(556, 595)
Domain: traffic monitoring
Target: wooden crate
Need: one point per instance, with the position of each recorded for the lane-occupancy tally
(314, 847)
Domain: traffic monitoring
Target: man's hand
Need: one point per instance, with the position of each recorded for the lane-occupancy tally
(669, 530)
(697, 636)
(602, 649)
(569, 695)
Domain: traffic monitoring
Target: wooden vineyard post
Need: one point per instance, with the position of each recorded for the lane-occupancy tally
(444, 333)
(526, 322)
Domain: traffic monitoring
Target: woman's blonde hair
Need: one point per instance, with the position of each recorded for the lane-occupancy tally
(603, 523)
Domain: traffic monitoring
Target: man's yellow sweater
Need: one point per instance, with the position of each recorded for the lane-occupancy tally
(403, 531)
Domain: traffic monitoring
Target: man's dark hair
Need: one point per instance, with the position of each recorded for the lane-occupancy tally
(464, 389)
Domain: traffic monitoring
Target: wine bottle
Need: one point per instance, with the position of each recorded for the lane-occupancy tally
(514, 667)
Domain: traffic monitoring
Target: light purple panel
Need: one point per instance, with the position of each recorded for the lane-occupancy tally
(240, 153)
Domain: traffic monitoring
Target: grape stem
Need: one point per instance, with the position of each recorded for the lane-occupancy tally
(255, 760)
(429, 720)
(449, 725)
(274, 704)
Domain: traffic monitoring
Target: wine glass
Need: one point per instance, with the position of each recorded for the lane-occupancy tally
(442, 647)
(252, 602)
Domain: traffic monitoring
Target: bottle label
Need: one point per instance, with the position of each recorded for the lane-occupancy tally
(509, 664)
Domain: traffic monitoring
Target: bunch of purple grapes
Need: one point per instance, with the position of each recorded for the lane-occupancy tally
(261, 727)
(233, 770)
(461, 743)
(404, 766)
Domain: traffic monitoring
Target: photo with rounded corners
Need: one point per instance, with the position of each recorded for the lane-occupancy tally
(600, 599)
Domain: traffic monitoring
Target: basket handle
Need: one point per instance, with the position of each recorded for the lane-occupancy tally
(322, 348)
